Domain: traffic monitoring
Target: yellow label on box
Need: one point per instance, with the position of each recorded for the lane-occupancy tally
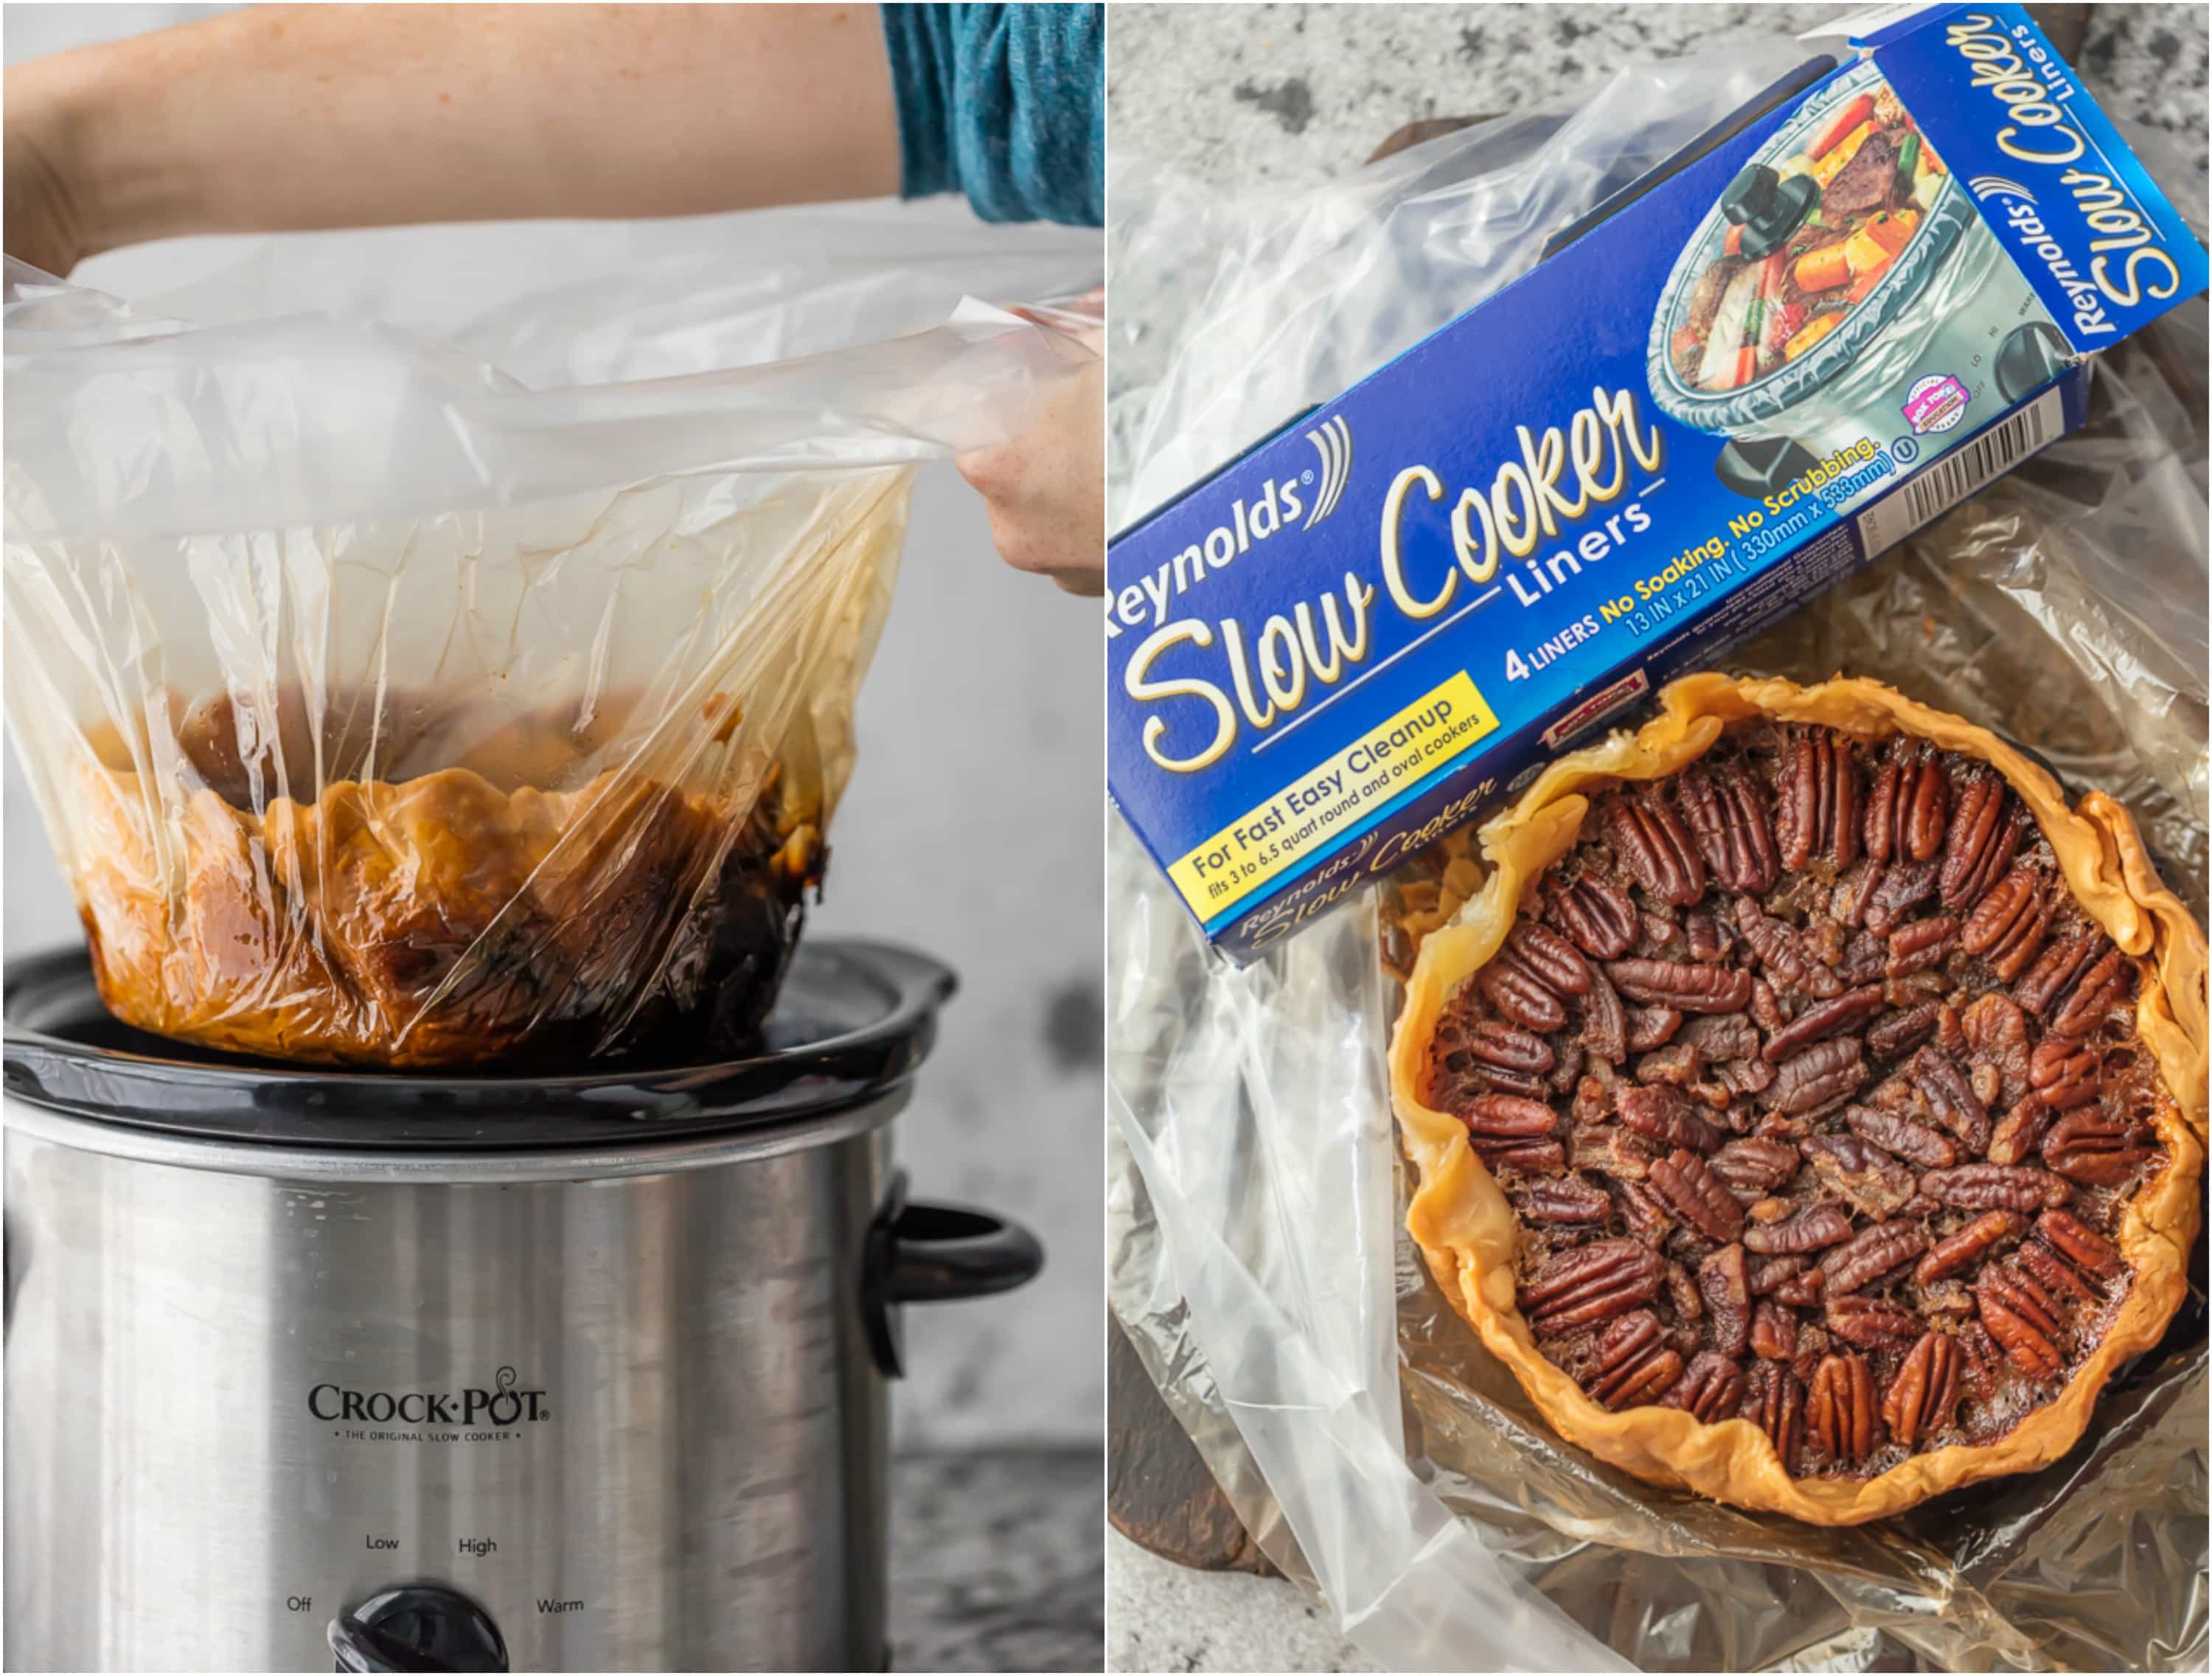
(1304, 819)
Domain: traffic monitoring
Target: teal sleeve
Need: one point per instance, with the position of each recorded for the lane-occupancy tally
(1006, 104)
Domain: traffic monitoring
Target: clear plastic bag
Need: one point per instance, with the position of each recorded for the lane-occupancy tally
(429, 698)
(1258, 1260)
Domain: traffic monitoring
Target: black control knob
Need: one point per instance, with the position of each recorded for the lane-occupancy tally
(418, 1626)
(1767, 208)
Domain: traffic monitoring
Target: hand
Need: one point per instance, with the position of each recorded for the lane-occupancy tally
(1046, 490)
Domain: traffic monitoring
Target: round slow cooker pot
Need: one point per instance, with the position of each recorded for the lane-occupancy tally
(309, 1370)
(1951, 304)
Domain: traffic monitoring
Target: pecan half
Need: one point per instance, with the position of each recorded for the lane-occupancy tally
(2054, 972)
(1652, 844)
(1915, 1143)
(1711, 1387)
(1994, 1187)
(1756, 1163)
(1507, 1117)
(1950, 1094)
(2106, 984)
(1980, 842)
(1776, 1402)
(1871, 1324)
(2088, 1248)
(2095, 1149)
(1921, 944)
(1634, 1363)
(1870, 1255)
(2064, 1074)
(1499, 1044)
(1890, 799)
(1651, 1027)
(2021, 1316)
(1825, 1072)
(1816, 1226)
(1817, 811)
(1569, 1202)
(1682, 985)
(1839, 1412)
(1823, 1019)
(1924, 1393)
(1961, 1251)
(1667, 1117)
(1693, 1193)
(1589, 1282)
(1519, 994)
(2007, 925)
(1595, 913)
(1550, 956)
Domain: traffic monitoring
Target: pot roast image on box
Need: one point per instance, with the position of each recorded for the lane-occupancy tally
(1809, 1109)
(1840, 264)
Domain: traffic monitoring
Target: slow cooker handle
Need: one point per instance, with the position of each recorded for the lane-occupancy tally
(921, 1252)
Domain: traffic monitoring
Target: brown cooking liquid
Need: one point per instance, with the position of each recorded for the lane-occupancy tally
(452, 918)
(1817, 1096)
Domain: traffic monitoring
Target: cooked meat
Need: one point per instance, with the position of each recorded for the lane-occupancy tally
(1866, 181)
(1705, 299)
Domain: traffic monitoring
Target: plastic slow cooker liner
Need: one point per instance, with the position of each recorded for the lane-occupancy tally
(1377, 1453)
(385, 707)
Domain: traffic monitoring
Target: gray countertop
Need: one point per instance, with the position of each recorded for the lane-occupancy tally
(1234, 95)
(995, 1560)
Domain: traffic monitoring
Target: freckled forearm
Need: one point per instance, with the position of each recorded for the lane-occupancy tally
(281, 117)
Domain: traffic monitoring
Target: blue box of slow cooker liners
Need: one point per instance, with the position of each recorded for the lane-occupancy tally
(1811, 333)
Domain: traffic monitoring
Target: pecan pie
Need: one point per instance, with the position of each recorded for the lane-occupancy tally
(1808, 1108)
(461, 916)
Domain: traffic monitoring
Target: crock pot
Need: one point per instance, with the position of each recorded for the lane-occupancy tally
(1929, 316)
(463, 1373)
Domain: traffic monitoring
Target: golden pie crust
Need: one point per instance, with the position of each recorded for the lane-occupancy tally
(1461, 1221)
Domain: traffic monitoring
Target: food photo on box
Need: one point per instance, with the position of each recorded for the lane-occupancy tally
(530, 1142)
(1656, 713)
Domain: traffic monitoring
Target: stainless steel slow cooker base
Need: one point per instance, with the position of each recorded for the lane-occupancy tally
(620, 1408)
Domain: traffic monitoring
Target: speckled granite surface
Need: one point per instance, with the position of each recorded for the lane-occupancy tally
(1231, 96)
(996, 1560)
(1166, 1616)
(1234, 93)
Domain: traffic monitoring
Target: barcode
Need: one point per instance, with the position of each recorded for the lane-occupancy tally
(1950, 480)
